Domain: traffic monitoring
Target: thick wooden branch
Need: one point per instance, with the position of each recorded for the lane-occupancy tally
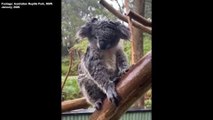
(74, 104)
(139, 18)
(124, 18)
(131, 87)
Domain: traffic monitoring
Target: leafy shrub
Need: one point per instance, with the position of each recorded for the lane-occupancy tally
(71, 89)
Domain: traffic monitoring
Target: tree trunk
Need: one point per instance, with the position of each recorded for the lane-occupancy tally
(138, 33)
(137, 49)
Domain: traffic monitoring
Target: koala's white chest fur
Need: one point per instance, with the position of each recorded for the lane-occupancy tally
(110, 58)
(110, 61)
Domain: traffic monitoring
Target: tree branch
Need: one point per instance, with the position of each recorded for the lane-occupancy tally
(119, 6)
(74, 104)
(139, 18)
(124, 18)
(69, 69)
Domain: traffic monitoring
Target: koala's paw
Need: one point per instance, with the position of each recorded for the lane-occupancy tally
(98, 104)
(116, 79)
(112, 95)
(124, 71)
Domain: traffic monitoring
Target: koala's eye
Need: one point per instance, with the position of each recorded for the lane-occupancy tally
(95, 37)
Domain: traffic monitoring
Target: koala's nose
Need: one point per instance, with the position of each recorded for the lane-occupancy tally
(102, 45)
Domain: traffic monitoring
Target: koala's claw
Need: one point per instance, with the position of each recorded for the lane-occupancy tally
(98, 104)
(113, 96)
(116, 79)
(114, 99)
(124, 71)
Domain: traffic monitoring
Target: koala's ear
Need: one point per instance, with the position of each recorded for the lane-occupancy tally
(85, 30)
(124, 32)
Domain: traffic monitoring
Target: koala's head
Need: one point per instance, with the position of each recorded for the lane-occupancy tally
(104, 34)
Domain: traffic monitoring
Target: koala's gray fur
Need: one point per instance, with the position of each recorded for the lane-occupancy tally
(103, 62)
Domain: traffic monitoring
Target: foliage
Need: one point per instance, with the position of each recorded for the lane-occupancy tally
(148, 99)
(127, 50)
(65, 66)
(147, 43)
(146, 46)
(82, 45)
(71, 89)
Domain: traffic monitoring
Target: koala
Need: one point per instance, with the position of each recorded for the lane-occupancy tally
(104, 61)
